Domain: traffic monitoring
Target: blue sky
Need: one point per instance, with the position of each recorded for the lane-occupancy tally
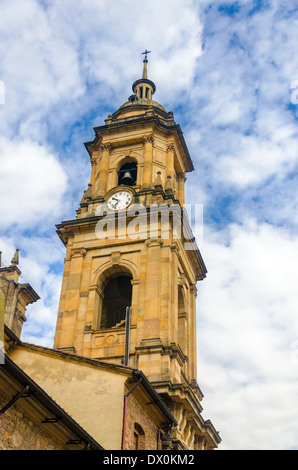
(229, 72)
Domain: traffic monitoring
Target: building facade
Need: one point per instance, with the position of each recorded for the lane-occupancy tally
(124, 360)
(132, 264)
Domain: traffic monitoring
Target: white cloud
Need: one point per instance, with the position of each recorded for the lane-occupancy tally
(32, 183)
(39, 69)
(260, 156)
(247, 331)
(240, 104)
(65, 65)
(41, 265)
(53, 52)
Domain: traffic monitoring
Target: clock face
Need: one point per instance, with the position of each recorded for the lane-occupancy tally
(119, 200)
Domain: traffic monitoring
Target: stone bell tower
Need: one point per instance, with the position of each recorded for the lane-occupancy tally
(131, 246)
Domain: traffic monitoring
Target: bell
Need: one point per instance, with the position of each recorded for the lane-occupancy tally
(127, 178)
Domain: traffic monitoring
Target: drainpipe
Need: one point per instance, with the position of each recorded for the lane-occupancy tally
(127, 332)
(125, 411)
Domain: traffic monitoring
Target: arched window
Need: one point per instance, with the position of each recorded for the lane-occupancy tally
(128, 174)
(139, 437)
(117, 295)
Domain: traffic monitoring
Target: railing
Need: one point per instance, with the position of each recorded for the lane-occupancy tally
(116, 317)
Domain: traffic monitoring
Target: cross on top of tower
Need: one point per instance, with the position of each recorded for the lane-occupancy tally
(145, 61)
(146, 52)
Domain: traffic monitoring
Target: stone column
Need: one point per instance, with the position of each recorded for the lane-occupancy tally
(150, 349)
(170, 166)
(166, 307)
(187, 433)
(181, 194)
(103, 169)
(93, 307)
(199, 443)
(174, 301)
(94, 160)
(114, 178)
(152, 291)
(66, 340)
(193, 334)
(148, 158)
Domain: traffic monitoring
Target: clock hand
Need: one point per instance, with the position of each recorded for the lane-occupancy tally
(115, 199)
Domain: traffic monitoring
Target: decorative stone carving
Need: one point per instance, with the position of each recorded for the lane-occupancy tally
(106, 146)
(148, 139)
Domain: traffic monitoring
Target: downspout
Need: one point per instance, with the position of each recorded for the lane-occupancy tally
(127, 332)
(125, 411)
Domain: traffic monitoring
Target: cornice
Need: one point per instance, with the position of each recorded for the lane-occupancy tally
(170, 126)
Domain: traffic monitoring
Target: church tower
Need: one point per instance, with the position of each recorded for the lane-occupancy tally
(131, 267)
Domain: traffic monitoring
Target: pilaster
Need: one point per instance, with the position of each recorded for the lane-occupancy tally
(148, 158)
(103, 169)
(68, 320)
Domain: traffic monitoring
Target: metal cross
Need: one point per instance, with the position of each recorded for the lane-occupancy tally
(146, 52)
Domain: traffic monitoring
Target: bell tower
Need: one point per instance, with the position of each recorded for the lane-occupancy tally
(131, 266)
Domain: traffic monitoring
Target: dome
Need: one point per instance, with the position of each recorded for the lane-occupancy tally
(138, 103)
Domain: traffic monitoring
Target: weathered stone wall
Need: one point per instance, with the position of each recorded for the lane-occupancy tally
(19, 432)
(137, 414)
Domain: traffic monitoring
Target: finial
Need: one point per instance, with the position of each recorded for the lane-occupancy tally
(146, 52)
(145, 61)
(143, 88)
(15, 259)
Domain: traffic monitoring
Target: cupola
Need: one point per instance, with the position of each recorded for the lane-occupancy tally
(144, 88)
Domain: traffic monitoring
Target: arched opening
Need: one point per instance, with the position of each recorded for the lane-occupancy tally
(117, 295)
(139, 437)
(128, 174)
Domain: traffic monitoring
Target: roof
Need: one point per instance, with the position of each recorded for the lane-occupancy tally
(135, 374)
(53, 415)
(140, 103)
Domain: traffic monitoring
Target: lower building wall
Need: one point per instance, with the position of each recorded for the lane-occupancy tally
(141, 429)
(92, 396)
(19, 432)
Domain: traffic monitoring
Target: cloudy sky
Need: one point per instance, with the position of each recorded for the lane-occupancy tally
(229, 71)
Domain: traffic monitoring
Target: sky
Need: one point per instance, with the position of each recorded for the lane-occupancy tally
(229, 72)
